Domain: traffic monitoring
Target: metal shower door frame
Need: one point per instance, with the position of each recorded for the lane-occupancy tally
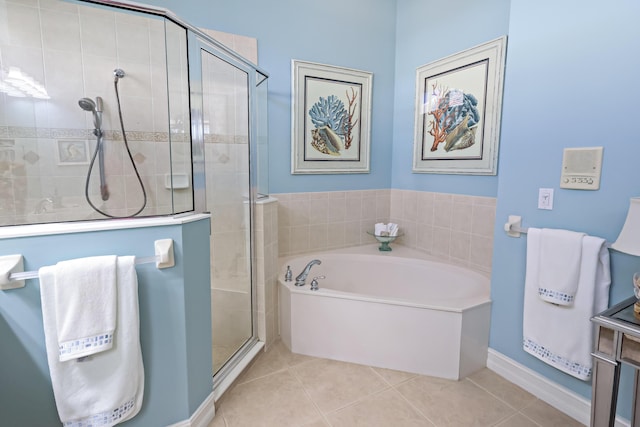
(197, 45)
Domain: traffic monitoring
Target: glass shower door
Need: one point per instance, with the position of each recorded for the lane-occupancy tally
(226, 130)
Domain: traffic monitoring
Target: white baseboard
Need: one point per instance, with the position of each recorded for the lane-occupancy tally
(202, 416)
(559, 397)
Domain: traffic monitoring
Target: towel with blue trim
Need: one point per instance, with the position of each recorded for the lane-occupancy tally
(562, 335)
(104, 385)
(560, 256)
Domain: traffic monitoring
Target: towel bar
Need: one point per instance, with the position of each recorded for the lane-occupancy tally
(12, 275)
(513, 227)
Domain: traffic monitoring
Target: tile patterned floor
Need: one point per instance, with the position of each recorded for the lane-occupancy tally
(283, 389)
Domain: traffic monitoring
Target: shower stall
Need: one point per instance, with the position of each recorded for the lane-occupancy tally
(111, 109)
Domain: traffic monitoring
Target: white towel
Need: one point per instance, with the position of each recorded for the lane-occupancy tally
(85, 298)
(380, 228)
(560, 255)
(562, 336)
(106, 388)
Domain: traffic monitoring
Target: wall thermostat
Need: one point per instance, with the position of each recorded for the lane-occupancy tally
(581, 168)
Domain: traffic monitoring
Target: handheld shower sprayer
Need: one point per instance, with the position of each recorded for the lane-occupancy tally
(95, 107)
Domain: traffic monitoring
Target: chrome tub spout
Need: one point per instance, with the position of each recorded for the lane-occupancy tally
(303, 276)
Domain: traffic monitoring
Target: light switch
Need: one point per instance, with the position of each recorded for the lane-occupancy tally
(545, 198)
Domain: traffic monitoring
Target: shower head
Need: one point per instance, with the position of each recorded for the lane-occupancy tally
(95, 107)
(87, 104)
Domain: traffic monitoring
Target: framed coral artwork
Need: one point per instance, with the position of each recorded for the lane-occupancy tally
(331, 121)
(457, 111)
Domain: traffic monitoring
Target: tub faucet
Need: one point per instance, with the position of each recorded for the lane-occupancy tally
(303, 276)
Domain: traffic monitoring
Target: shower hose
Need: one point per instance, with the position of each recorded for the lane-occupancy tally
(99, 143)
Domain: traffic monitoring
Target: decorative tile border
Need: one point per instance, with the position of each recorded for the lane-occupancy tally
(113, 135)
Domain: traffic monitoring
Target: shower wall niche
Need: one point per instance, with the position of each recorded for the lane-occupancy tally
(70, 50)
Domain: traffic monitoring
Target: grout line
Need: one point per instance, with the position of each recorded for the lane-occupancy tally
(306, 392)
(380, 376)
(401, 382)
(494, 395)
(518, 411)
(412, 405)
(499, 399)
(361, 399)
(501, 420)
(530, 419)
(262, 376)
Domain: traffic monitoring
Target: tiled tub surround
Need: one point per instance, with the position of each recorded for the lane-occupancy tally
(456, 228)
(328, 220)
(72, 50)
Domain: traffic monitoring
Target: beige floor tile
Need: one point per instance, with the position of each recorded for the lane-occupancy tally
(548, 416)
(384, 409)
(277, 358)
(317, 423)
(504, 390)
(394, 377)
(518, 420)
(274, 400)
(292, 359)
(333, 385)
(424, 385)
(218, 421)
(458, 404)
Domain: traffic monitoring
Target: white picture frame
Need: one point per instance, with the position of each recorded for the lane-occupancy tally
(458, 110)
(331, 119)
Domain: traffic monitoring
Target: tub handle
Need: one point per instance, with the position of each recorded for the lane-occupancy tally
(314, 282)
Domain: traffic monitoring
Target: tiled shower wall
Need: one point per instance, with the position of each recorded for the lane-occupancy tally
(456, 228)
(72, 50)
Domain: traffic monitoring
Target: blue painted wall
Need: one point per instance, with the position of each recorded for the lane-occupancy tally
(427, 31)
(356, 34)
(175, 324)
(391, 40)
(572, 81)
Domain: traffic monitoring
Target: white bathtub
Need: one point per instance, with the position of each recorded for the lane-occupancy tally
(397, 310)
